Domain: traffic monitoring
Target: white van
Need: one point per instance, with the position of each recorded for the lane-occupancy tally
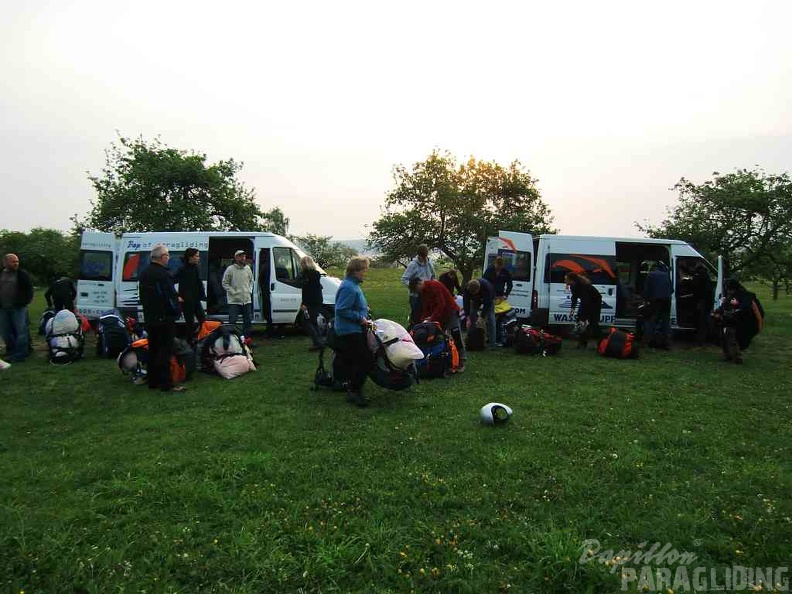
(617, 267)
(110, 267)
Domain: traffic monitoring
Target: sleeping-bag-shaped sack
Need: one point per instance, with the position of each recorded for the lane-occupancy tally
(233, 366)
(399, 347)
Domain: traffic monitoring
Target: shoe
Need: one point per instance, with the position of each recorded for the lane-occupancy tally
(357, 398)
(4, 365)
(175, 389)
(460, 369)
(139, 381)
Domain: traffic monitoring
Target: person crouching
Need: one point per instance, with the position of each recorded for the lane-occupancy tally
(439, 306)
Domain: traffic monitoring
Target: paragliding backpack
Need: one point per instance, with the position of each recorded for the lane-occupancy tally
(222, 342)
(134, 360)
(45, 317)
(384, 373)
(619, 345)
(111, 334)
(530, 341)
(65, 338)
(436, 346)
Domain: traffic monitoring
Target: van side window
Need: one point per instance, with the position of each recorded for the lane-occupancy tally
(285, 270)
(519, 264)
(96, 265)
(600, 270)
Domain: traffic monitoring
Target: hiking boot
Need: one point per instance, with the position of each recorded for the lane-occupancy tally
(357, 398)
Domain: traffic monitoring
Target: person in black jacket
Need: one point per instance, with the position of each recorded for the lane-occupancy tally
(191, 291)
(161, 310)
(61, 294)
(590, 305)
(480, 294)
(500, 277)
(16, 293)
(657, 292)
(312, 300)
(451, 281)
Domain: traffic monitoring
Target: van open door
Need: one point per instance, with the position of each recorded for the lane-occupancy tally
(517, 251)
(95, 284)
(720, 287)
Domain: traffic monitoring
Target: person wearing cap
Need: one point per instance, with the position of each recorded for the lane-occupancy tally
(238, 285)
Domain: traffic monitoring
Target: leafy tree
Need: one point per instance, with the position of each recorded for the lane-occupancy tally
(746, 216)
(326, 252)
(44, 253)
(775, 268)
(454, 208)
(147, 186)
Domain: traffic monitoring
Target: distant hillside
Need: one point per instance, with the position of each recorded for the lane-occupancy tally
(359, 245)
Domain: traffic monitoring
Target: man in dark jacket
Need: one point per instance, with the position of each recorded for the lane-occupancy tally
(191, 291)
(500, 277)
(741, 317)
(16, 293)
(657, 292)
(480, 294)
(161, 310)
(61, 294)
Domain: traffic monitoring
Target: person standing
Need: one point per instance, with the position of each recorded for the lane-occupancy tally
(61, 294)
(704, 296)
(351, 322)
(422, 267)
(439, 306)
(16, 293)
(741, 317)
(191, 291)
(161, 310)
(238, 285)
(312, 300)
(658, 291)
(590, 305)
(480, 294)
(500, 277)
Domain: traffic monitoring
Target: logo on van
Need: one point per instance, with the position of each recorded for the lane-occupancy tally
(133, 245)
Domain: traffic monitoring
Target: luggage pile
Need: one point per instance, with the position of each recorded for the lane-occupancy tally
(222, 350)
(441, 356)
(65, 338)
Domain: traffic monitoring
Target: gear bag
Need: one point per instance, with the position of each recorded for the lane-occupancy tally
(619, 345)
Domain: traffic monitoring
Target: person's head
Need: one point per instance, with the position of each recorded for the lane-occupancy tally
(452, 274)
(160, 254)
(307, 263)
(416, 284)
(661, 266)
(191, 256)
(423, 251)
(474, 287)
(358, 267)
(240, 257)
(498, 263)
(11, 262)
(732, 286)
(571, 278)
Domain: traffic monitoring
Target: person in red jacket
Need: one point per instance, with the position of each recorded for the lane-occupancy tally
(438, 305)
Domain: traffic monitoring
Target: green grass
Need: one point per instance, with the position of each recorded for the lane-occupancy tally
(260, 485)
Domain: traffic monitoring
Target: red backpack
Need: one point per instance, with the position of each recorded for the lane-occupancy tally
(618, 344)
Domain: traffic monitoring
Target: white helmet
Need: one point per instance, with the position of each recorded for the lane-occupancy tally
(495, 413)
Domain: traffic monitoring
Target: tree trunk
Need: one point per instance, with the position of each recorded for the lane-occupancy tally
(775, 290)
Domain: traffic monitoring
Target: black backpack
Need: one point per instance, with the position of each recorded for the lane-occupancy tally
(324, 378)
(112, 337)
(476, 339)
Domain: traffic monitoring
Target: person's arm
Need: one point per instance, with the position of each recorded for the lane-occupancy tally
(509, 284)
(409, 272)
(227, 280)
(72, 290)
(437, 303)
(48, 297)
(466, 304)
(345, 306)
(574, 297)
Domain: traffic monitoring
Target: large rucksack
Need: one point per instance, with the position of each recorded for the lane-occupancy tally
(530, 341)
(438, 349)
(112, 337)
(133, 360)
(619, 345)
(223, 351)
(65, 339)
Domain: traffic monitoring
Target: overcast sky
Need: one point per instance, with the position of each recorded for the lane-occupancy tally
(607, 104)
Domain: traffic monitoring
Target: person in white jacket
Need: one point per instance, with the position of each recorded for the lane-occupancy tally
(238, 285)
(421, 267)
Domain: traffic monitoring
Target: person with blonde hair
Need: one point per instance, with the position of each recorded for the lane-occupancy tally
(353, 358)
(312, 300)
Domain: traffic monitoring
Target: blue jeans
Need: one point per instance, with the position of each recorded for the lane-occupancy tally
(234, 309)
(489, 315)
(14, 328)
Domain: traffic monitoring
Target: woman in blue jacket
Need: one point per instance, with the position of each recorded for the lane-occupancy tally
(353, 358)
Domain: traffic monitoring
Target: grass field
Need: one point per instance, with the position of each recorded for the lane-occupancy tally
(260, 485)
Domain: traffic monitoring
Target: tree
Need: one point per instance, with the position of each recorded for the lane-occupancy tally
(325, 252)
(775, 268)
(454, 208)
(745, 216)
(147, 186)
(44, 253)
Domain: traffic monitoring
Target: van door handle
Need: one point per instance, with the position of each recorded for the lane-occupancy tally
(272, 286)
(610, 291)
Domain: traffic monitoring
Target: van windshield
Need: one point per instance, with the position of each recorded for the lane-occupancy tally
(301, 254)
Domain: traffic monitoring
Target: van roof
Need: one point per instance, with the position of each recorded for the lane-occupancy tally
(623, 239)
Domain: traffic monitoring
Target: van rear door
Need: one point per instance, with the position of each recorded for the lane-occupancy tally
(720, 287)
(517, 251)
(95, 287)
